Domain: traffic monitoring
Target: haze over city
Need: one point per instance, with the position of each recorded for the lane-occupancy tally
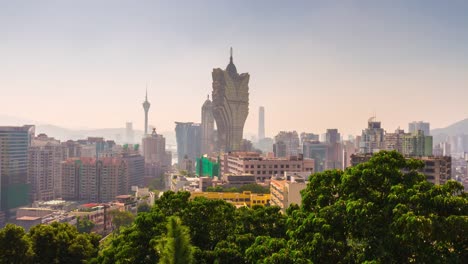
(313, 64)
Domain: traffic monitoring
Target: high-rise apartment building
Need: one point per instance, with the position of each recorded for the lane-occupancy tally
(45, 170)
(135, 169)
(154, 148)
(146, 107)
(372, 137)
(318, 151)
(230, 105)
(188, 136)
(261, 123)
(129, 133)
(94, 180)
(309, 137)
(394, 141)
(332, 136)
(207, 127)
(417, 144)
(335, 150)
(286, 144)
(14, 145)
(413, 127)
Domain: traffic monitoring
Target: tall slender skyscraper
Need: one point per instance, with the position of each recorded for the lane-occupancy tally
(146, 107)
(207, 126)
(230, 105)
(261, 123)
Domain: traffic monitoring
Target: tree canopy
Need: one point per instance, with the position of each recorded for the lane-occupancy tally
(381, 211)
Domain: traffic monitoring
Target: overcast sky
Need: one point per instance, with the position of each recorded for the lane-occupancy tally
(313, 64)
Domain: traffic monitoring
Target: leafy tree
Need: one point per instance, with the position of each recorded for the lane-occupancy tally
(254, 188)
(175, 247)
(227, 252)
(62, 243)
(261, 221)
(136, 243)
(84, 225)
(382, 210)
(209, 221)
(143, 208)
(215, 189)
(121, 218)
(172, 203)
(14, 245)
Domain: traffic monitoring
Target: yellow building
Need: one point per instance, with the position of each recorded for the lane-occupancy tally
(239, 199)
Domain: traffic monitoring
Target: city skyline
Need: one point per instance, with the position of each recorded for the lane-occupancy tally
(339, 62)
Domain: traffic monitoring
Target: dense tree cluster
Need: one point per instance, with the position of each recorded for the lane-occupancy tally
(382, 211)
(55, 243)
(253, 187)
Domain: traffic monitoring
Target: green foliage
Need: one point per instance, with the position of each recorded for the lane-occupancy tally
(156, 184)
(143, 208)
(14, 245)
(253, 187)
(175, 247)
(136, 243)
(383, 211)
(62, 243)
(84, 225)
(121, 218)
(210, 221)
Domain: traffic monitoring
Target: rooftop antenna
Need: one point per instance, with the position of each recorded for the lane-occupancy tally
(231, 56)
(146, 96)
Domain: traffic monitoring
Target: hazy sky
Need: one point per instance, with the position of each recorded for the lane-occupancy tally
(313, 64)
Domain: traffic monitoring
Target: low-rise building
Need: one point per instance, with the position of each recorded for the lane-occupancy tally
(233, 180)
(287, 191)
(263, 168)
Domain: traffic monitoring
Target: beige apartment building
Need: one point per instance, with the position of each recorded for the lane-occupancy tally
(287, 191)
(263, 168)
(86, 179)
(44, 168)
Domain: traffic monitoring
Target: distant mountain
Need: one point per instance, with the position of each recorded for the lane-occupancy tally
(117, 134)
(457, 128)
(63, 134)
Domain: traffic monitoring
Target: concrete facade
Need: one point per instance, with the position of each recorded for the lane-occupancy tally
(207, 127)
(44, 168)
(263, 168)
(285, 192)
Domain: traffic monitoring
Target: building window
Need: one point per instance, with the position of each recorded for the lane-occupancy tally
(258, 172)
(287, 166)
(258, 166)
(276, 166)
(282, 166)
(263, 172)
(270, 172)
